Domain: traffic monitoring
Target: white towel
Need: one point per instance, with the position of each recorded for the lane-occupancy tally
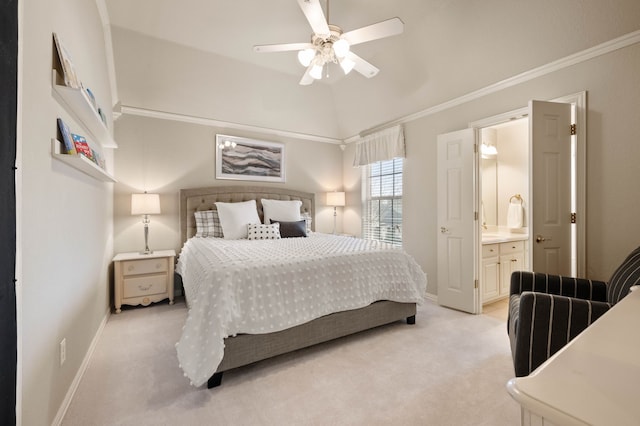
(515, 215)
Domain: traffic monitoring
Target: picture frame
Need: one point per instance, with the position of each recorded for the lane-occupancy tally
(239, 158)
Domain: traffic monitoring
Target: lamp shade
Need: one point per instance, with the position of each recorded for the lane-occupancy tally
(306, 56)
(145, 204)
(347, 65)
(316, 71)
(335, 199)
(341, 48)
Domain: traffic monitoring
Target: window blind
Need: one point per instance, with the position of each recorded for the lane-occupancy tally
(382, 201)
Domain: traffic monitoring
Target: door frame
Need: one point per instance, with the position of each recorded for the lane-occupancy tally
(578, 102)
(10, 303)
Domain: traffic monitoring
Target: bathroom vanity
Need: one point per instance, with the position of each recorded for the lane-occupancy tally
(502, 253)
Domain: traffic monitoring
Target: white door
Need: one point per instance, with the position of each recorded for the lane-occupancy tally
(550, 139)
(457, 226)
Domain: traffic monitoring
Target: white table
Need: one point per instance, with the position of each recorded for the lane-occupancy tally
(594, 380)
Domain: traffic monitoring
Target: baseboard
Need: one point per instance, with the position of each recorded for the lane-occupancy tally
(83, 367)
(432, 297)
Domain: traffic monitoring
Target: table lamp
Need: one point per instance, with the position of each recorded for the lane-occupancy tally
(145, 204)
(335, 199)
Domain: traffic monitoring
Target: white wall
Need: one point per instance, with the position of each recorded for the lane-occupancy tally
(513, 167)
(165, 156)
(612, 158)
(66, 223)
(164, 76)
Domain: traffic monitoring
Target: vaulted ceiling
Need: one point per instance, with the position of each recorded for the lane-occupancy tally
(195, 57)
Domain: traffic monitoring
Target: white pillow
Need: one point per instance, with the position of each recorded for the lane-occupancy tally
(234, 218)
(258, 231)
(281, 210)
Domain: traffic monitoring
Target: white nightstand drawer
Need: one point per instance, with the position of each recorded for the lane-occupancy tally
(145, 286)
(146, 266)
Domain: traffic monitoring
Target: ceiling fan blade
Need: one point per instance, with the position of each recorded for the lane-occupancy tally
(382, 29)
(306, 78)
(268, 48)
(313, 11)
(362, 66)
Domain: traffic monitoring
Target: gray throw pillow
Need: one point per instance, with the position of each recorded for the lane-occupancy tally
(292, 229)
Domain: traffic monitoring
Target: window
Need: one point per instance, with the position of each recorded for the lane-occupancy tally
(382, 201)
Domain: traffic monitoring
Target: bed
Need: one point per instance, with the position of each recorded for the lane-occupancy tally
(223, 329)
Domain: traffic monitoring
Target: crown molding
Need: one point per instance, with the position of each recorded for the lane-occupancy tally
(585, 55)
(163, 115)
(568, 61)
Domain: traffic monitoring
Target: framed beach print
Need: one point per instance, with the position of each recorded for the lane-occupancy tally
(249, 159)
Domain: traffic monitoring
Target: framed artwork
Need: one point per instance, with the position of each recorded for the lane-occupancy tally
(249, 159)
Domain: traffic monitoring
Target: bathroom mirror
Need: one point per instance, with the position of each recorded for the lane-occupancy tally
(489, 207)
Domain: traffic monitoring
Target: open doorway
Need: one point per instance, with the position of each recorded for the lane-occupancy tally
(506, 178)
(504, 169)
(557, 172)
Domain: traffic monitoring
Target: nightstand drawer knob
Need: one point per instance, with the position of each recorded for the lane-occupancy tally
(144, 288)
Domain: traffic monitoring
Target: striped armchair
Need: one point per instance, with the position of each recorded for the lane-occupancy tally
(547, 311)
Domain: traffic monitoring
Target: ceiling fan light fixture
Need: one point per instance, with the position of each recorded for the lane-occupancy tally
(347, 65)
(341, 48)
(329, 44)
(306, 56)
(316, 71)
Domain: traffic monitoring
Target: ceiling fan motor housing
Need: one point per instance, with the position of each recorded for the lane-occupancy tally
(324, 44)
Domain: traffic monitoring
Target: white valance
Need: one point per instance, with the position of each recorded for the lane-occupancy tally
(380, 146)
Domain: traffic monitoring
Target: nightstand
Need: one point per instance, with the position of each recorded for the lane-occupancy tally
(141, 279)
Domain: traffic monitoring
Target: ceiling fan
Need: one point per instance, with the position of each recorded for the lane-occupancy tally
(330, 45)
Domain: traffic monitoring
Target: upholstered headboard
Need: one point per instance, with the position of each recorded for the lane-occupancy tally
(195, 199)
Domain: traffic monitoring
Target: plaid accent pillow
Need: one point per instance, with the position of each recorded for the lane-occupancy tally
(208, 224)
(258, 231)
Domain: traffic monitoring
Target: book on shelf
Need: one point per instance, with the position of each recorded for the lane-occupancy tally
(68, 71)
(69, 146)
(98, 159)
(82, 147)
(91, 96)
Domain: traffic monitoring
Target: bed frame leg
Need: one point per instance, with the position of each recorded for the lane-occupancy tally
(411, 319)
(215, 380)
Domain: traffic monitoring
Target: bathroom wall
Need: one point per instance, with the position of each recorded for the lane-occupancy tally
(513, 167)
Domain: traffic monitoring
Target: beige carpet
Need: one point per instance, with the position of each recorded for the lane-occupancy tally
(450, 368)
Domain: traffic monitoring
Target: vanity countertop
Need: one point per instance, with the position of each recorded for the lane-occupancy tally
(502, 237)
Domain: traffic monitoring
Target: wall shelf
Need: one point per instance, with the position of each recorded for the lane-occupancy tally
(80, 162)
(77, 103)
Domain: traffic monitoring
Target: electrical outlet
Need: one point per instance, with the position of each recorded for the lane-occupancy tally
(63, 351)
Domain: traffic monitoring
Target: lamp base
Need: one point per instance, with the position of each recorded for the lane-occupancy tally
(335, 214)
(146, 235)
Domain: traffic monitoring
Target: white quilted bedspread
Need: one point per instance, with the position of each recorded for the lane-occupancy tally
(261, 286)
